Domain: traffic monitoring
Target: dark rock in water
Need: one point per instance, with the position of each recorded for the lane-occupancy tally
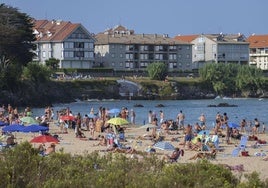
(138, 105)
(160, 105)
(222, 105)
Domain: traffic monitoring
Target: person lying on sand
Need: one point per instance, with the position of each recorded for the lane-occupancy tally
(205, 155)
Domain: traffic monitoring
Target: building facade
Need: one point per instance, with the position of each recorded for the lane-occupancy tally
(217, 48)
(71, 43)
(121, 49)
(258, 45)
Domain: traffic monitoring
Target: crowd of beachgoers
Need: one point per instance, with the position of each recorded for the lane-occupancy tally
(96, 131)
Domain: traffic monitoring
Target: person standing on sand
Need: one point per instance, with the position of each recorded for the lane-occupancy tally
(202, 120)
(132, 116)
(180, 119)
(162, 116)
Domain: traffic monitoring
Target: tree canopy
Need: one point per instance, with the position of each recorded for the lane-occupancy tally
(16, 37)
(228, 79)
(157, 71)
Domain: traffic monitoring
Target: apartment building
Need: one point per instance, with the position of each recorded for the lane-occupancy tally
(258, 53)
(71, 43)
(122, 49)
(217, 48)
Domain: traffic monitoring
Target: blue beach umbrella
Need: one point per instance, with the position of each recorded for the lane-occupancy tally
(13, 128)
(164, 146)
(206, 132)
(233, 125)
(114, 111)
(3, 123)
(34, 128)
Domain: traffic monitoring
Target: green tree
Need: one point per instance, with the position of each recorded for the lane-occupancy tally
(157, 71)
(36, 72)
(53, 63)
(16, 37)
(249, 79)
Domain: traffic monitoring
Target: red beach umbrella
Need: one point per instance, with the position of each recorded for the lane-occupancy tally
(67, 118)
(44, 139)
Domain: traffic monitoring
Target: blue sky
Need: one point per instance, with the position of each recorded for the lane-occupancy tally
(170, 17)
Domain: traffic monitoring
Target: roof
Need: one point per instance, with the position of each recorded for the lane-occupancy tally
(219, 38)
(136, 39)
(186, 38)
(258, 41)
(55, 30)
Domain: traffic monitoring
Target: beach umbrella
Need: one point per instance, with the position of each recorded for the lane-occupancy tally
(233, 125)
(206, 132)
(118, 121)
(28, 120)
(3, 123)
(13, 128)
(148, 125)
(67, 118)
(34, 128)
(114, 111)
(91, 116)
(44, 139)
(164, 146)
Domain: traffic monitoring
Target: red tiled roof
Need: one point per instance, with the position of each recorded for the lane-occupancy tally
(186, 38)
(54, 30)
(258, 41)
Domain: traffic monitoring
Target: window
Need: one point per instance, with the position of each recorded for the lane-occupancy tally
(179, 56)
(129, 47)
(113, 55)
(143, 48)
(187, 56)
(78, 45)
(144, 56)
(49, 55)
(129, 56)
(43, 54)
(121, 55)
(78, 54)
(172, 56)
(158, 56)
(172, 48)
(158, 48)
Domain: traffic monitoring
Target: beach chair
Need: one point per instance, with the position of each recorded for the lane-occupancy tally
(241, 147)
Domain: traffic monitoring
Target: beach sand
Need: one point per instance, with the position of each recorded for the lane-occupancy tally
(70, 144)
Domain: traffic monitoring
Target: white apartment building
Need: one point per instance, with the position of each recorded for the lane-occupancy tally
(71, 43)
(258, 45)
(217, 48)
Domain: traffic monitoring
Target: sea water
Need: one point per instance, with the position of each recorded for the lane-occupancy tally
(246, 109)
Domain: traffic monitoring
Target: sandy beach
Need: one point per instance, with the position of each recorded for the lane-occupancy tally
(70, 144)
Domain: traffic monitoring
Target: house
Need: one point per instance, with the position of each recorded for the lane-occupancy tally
(71, 43)
(258, 45)
(121, 49)
(217, 48)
